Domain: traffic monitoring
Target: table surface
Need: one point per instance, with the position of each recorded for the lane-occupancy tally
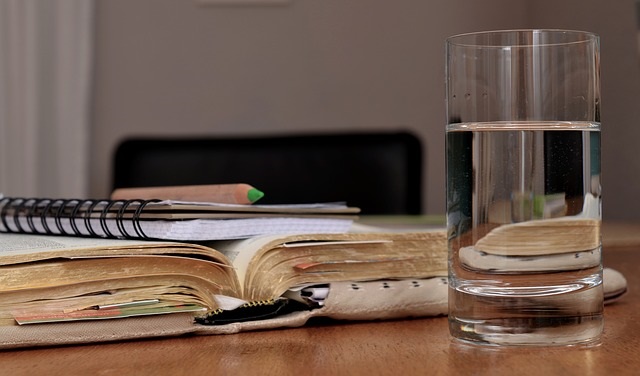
(404, 347)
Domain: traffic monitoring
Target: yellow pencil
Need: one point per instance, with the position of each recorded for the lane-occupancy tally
(221, 193)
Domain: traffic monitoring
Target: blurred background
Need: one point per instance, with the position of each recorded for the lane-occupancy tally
(79, 76)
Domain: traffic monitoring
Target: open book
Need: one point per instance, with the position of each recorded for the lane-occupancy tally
(62, 280)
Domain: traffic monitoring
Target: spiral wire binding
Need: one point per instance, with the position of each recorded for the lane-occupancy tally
(42, 210)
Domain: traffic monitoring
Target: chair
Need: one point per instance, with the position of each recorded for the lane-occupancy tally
(381, 173)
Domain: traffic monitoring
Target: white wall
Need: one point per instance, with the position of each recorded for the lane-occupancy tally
(174, 67)
(168, 67)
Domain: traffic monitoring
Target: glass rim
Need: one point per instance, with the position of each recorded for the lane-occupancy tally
(467, 39)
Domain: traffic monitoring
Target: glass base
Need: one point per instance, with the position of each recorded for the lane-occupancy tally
(583, 331)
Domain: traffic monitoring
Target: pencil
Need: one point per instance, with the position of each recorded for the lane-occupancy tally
(220, 193)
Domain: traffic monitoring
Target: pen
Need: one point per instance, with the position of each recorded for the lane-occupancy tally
(220, 193)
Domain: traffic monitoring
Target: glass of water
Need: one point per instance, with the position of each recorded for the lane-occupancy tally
(523, 187)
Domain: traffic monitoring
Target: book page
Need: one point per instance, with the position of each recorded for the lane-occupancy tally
(267, 266)
(19, 248)
(241, 252)
(83, 284)
(25, 244)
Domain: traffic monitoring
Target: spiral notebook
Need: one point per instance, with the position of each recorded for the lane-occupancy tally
(168, 220)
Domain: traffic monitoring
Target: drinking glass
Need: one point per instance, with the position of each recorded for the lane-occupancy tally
(523, 187)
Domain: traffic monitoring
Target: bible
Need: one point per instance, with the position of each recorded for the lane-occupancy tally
(58, 284)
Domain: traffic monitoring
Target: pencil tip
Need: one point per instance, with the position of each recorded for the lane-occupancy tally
(254, 195)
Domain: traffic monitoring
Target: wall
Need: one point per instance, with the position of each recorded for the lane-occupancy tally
(615, 22)
(169, 67)
(176, 68)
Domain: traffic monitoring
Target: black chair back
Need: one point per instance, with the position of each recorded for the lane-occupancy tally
(381, 173)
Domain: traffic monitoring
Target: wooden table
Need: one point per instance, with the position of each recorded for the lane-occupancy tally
(408, 347)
